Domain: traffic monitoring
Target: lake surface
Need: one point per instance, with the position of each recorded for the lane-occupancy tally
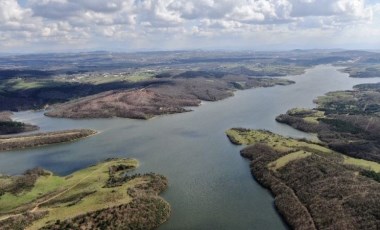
(210, 185)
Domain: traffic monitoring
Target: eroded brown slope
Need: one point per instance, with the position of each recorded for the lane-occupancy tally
(139, 104)
(40, 139)
(167, 98)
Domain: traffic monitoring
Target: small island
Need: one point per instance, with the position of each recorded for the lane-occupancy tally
(103, 195)
(40, 139)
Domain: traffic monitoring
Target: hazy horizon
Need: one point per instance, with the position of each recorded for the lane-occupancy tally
(35, 26)
(179, 50)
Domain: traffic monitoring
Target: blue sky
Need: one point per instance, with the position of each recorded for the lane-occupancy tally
(130, 25)
(22, 2)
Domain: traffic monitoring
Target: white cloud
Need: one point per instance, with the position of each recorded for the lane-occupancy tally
(262, 11)
(200, 9)
(99, 22)
(11, 11)
(157, 13)
(352, 8)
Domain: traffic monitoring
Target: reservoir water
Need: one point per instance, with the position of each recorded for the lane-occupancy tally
(210, 183)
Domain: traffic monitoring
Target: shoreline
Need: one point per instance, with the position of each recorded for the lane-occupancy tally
(143, 104)
(10, 143)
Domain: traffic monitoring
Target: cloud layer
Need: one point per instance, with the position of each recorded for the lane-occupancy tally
(173, 24)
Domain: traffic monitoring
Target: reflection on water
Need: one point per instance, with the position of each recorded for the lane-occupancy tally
(210, 184)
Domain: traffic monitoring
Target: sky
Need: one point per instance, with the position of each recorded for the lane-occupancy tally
(142, 25)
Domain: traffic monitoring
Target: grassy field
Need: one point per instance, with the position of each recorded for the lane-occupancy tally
(293, 148)
(141, 76)
(88, 181)
(370, 165)
(307, 115)
(282, 161)
(16, 84)
(339, 96)
(84, 180)
(44, 185)
(278, 142)
(98, 79)
(82, 192)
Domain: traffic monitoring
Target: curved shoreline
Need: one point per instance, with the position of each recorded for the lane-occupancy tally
(9, 143)
(149, 102)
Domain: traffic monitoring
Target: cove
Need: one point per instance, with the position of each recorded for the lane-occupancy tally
(210, 186)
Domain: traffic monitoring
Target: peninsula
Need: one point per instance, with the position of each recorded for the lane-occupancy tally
(107, 194)
(314, 187)
(41, 139)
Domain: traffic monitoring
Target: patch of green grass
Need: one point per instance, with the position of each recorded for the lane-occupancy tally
(108, 78)
(313, 120)
(309, 115)
(341, 96)
(369, 165)
(296, 148)
(101, 79)
(16, 84)
(277, 142)
(141, 76)
(299, 111)
(286, 70)
(44, 185)
(239, 137)
(90, 179)
(100, 197)
(282, 161)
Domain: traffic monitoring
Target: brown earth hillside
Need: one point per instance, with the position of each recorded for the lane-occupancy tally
(40, 139)
(158, 99)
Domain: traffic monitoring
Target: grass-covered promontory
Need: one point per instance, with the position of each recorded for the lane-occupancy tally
(103, 196)
(314, 186)
(41, 139)
(348, 121)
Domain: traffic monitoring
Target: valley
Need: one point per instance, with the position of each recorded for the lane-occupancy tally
(190, 105)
